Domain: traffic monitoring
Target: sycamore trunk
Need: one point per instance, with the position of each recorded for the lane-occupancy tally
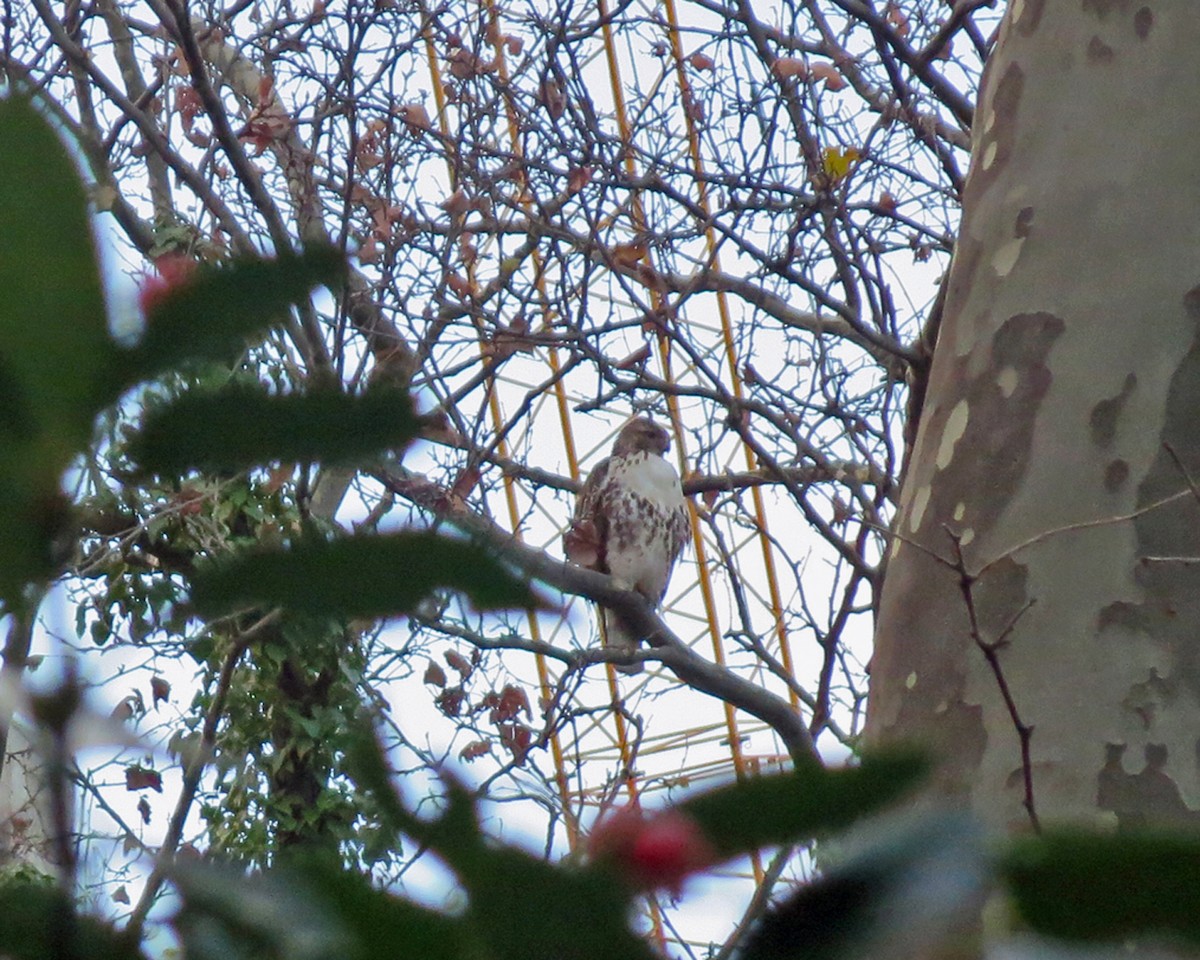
(1059, 444)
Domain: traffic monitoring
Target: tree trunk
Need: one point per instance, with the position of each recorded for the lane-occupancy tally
(26, 820)
(1063, 405)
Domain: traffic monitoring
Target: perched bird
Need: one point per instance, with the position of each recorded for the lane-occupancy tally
(631, 522)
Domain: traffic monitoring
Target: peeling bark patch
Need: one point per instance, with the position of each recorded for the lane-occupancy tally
(1116, 475)
(956, 426)
(955, 733)
(917, 513)
(1006, 257)
(1030, 16)
(989, 460)
(1129, 616)
(1000, 596)
(1150, 796)
(1099, 52)
(1143, 20)
(967, 256)
(996, 146)
(1169, 609)
(1146, 698)
(1106, 413)
(983, 439)
(1024, 222)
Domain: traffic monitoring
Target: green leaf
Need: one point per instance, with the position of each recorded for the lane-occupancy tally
(243, 426)
(562, 912)
(378, 924)
(367, 765)
(37, 922)
(227, 916)
(210, 316)
(359, 576)
(770, 810)
(57, 367)
(1091, 886)
(524, 908)
(57, 363)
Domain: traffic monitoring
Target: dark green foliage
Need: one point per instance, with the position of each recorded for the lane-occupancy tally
(211, 316)
(808, 803)
(243, 426)
(38, 923)
(59, 367)
(1087, 886)
(361, 576)
(56, 356)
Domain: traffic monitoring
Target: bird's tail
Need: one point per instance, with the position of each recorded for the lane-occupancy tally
(614, 635)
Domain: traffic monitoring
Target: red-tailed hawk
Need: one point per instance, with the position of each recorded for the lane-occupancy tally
(631, 522)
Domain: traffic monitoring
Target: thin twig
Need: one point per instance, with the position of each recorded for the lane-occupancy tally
(991, 653)
(192, 773)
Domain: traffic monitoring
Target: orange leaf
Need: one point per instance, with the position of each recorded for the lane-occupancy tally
(459, 663)
(506, 706)
(785, 67)
(160, 690)
(579, 178)
(517, 739)
(897, 19)
(701, 61)
(474, 750)
(629, 254)
(141, 778)
(457, 203)
(830, 74)
(460, 287)
(435, 675)
(450, 701)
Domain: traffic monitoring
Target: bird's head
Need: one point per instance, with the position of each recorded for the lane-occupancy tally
(641, 433)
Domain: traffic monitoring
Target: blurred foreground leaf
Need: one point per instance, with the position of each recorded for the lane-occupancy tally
(1088, 886)
(212, 315)
(811, 802)
(56, 359)
(243, 426)
(37, 923)
(524, 908)
(304, 911)
(360, 576)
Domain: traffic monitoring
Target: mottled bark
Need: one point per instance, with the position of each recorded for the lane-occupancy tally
(1063, 404)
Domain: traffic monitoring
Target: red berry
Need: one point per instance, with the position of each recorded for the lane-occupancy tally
(174, 271)
(659, 851)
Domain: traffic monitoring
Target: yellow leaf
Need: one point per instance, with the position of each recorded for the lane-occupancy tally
(837, 162)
